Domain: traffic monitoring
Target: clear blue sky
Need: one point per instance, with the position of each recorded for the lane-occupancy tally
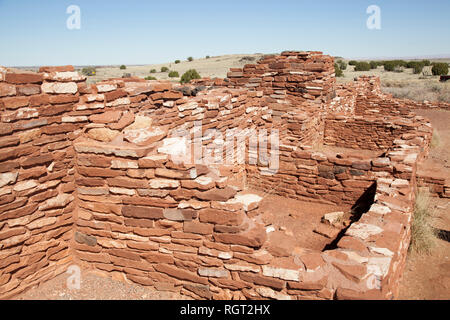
(142, 32)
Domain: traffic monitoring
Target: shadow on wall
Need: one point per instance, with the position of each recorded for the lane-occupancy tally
(361, 206)
(443, 234)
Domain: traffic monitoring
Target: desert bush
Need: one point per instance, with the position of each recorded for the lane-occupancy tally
(177, 61)
(373, 64)
(123, 67)
(174, 74)
(338, 71)
(436, 139)
(400, 63)
(352, 62)
(88, 71)
(422, 232)
(207, 57)
(362, 66)
(389, 65)
(150, 78)
(426, 63)
(418, 68)
(190, 59)
(189, 75)
(153, 71)
(164, 69)
(440, 69)
(342, 65)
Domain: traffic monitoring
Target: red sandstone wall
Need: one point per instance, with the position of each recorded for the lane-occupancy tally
(132, 212)
(145, 219)
(36, 175)
(300, 76)
(41, 114)
(367, 133)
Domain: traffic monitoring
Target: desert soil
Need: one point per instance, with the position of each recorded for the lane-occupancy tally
(298, 219)
(95, 286)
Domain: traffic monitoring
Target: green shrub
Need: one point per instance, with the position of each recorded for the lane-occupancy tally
(342, 65)
(352, 62)
(153, 71)
(400, 63)
(393, 65)
(426, 63)
(190, 59)
(177, 61)
(123, 67)
(150, 78)
(174, 74)
(440, 69)
(189, 75)
(373, 64)
(207, 57)
(88, 71)
(164, 69)
(389, 65)
(362, 66)
(338, 71)
(418, 67)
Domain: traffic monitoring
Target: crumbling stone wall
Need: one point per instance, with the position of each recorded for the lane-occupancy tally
(367, 133)
(88, 179)
(181, 228)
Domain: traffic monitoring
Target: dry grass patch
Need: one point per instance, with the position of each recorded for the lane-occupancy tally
(436, 139)
(431, 90)
(406, 84)
(423, 234)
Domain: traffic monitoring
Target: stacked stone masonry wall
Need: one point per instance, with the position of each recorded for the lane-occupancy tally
(84, 180)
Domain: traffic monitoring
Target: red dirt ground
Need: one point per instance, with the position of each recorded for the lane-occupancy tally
(298, 219)
(95, 286)
(427, 276)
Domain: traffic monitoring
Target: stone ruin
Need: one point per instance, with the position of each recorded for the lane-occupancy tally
(87, 178)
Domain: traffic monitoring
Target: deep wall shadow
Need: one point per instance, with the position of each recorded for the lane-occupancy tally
(443, 234)
(361, 206)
